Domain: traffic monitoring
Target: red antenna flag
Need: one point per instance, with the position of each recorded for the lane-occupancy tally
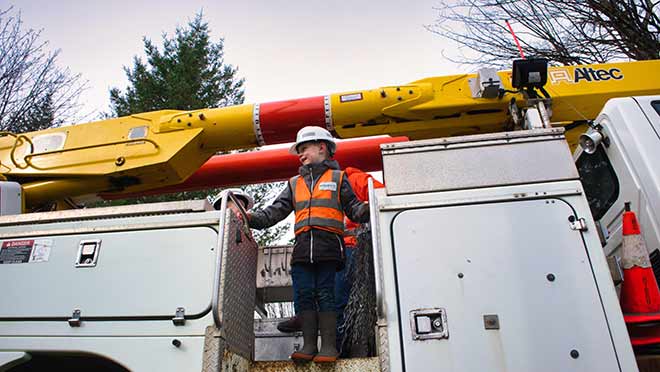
(522, 55)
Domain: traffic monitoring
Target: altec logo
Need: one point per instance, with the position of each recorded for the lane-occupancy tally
(586, 74)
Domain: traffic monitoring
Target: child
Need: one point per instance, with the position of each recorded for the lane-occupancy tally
(320, 196)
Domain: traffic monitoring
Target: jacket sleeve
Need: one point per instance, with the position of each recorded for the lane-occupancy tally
(274, 213)
(354, 209)
(360, 182)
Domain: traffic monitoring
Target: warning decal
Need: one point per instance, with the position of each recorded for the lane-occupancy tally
(350, 97)
(25, 251)
(41, 250)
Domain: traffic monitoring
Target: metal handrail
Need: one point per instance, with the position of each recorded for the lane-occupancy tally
(376, 246)
(13, 150)
(28, 158)
(221, 241)
(13, 147)
(218, 262)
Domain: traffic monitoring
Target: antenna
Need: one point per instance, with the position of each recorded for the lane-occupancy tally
(522, 55)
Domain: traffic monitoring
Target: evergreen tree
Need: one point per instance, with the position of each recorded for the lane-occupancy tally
(188, 72)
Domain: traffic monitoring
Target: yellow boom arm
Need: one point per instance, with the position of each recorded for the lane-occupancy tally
(154, 149)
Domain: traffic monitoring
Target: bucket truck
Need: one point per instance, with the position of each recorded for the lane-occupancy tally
(490, 241)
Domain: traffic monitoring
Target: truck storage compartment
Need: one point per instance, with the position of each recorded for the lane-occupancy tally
(135, 274)
(511, 284)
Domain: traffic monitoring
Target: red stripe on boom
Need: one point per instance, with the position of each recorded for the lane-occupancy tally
(280, 121)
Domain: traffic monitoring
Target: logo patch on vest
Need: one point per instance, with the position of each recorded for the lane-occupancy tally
(328, 186)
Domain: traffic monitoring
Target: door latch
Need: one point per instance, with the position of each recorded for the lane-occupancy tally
(88, 253)
(579, 224)
(427, 324)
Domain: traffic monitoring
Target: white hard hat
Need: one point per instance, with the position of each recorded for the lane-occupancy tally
(241, 195)
(307, 134)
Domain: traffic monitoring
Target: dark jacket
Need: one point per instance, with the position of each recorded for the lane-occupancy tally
(314, 245)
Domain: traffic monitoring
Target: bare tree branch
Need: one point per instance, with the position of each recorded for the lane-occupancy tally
(34, 92)
(564, 31)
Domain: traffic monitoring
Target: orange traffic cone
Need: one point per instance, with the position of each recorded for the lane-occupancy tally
(640, 296)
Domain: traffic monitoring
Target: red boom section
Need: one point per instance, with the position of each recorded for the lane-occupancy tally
(269, 166)
(279, 121)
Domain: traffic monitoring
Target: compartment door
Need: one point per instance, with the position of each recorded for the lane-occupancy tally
(130, 274)
(514, 282)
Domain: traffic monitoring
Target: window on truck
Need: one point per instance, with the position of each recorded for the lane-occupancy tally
(656, 106)
(600, 182)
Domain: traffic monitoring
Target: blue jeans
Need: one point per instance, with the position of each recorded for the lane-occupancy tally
(314, 286)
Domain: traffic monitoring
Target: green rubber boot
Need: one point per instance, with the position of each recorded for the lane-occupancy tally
(328, 326)
(310, 331)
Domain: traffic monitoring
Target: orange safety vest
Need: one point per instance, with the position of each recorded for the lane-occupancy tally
(320, 209)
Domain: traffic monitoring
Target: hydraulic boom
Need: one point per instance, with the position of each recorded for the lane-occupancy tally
(162, 148)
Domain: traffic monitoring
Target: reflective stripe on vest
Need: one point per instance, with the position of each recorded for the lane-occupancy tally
(322, 208)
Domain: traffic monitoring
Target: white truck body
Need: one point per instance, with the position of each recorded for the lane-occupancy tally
(160, 274)
(487, 258)
(508, 264)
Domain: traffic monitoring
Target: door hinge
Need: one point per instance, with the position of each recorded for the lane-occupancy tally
(580, 224)
(179, 316)
(74, 321)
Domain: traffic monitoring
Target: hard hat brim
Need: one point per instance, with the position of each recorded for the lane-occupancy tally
(293, 150)
(240, 195)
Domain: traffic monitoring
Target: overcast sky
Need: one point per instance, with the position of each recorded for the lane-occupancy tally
(283, 49)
